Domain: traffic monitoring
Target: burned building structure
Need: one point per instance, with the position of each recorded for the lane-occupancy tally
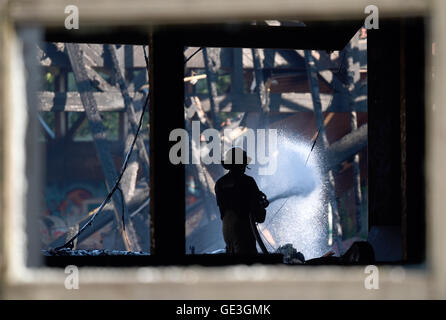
(248, 75)
(317, 96)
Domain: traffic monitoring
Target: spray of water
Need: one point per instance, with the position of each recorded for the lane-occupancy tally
(296, 215)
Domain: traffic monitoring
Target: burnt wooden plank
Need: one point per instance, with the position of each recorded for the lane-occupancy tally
(284, 102)
(71, 101)
(327, 74)
(346, 147)
(93, 54)
(131, 113)
(101, 143)
(353, 84)
(211, 57)
(328, 174)
(98, 81)
(260, 81)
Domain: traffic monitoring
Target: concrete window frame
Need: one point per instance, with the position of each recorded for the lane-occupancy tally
(18, 280)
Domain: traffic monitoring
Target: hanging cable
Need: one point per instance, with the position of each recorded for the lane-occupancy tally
(312, 147)
(70, 242)
(193, 54)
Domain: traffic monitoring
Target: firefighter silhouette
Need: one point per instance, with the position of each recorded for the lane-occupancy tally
(238, 196)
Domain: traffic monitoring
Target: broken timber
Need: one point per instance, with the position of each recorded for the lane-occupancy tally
(354, 83)
(210, 60)
(260, 83)
(235, 102)
(97, 129)
(314, 87)
(203, 177)
(131, 113)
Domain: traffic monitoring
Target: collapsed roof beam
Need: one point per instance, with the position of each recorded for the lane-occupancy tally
(98, 132)
(131, 112)
(284, 102)
(328, 75)
(71, 101)
(287, 102)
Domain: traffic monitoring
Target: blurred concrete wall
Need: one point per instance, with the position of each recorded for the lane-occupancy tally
(238, 282)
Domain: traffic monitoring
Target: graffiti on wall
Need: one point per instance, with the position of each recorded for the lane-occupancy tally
(66, 206)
